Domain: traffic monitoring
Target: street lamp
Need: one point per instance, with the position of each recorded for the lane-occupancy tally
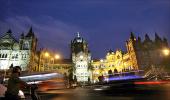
(46, 54)
(101, 60)
(57, 56)
(166, 52)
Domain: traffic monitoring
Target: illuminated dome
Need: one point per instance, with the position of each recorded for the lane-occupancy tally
(78, 39)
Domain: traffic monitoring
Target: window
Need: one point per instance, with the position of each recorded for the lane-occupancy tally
(26, 45)
(78, 66)
(16, 57)
(24, 56)
(5, 55)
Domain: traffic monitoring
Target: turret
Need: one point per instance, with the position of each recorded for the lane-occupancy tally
(78, 44)
(165, 42)
(147, 38)
(157, 38)
(132, 37)
(30, 33)
(22, 35)
(9, 31)
(139, 39)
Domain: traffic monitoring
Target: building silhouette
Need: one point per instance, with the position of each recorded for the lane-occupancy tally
(144, 54)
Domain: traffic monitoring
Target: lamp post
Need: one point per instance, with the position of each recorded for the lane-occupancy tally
(166, 57)
(56, 57)
(53, 58)
(166, 52)
(46, 59)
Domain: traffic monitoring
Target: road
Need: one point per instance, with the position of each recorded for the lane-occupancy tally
(89, 94)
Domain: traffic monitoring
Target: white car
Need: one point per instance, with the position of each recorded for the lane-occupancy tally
(3, 89)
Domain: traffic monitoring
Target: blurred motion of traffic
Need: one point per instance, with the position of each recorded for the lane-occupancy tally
(138, 70)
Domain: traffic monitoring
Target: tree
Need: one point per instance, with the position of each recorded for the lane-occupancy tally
(101, 78)
(116, 72)
(71, 71)
(110, 73)
(90, 68)
(72, 68)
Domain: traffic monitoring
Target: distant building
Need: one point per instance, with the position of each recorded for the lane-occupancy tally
(18, 52)
(51, 63)
(145, 53)
(62, 66)
(81, 58)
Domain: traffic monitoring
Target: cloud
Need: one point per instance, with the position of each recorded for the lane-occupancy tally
(51, 33)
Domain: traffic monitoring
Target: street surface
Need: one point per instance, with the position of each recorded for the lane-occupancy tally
(90, 93)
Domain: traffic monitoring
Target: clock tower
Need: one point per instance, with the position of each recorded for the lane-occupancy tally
(81, 58)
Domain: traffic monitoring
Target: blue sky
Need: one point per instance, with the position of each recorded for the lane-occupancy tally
(105, 24)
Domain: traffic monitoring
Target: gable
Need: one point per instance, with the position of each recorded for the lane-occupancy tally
(8, 38)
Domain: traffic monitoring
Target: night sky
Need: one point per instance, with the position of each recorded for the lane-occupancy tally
(104, 24)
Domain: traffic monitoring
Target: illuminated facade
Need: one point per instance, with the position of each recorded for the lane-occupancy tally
(140, 55)
(81, 58)
(144, 54)
(18, 53)
(49, 62)
(116, 62)
(62, 66)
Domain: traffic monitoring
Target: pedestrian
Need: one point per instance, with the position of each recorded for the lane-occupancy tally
(14, 83)
(1, 78)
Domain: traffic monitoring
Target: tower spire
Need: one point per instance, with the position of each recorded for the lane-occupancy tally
(30, 33)
(9, 31)
(132, 37)
(157, 38)
(78, 34)
(147, 38)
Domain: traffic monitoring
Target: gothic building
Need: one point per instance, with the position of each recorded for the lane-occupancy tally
(17, 52)
(140, 55)
(81, 58)
(144, 54)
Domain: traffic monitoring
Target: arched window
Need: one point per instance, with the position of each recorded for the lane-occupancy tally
(16, 56)
(26, 45)
(5, 55)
